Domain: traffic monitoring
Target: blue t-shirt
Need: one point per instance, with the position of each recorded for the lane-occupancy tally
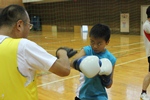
(92, 88)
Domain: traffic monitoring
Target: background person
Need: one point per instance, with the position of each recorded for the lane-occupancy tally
(146, 36)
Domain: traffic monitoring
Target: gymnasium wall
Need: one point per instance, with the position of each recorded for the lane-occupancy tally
(66, 15)
(4, 3)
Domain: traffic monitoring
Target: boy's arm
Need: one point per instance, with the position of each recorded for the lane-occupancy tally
(107, 81)
(77, 56)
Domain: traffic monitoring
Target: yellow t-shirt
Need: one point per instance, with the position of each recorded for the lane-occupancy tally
(11, 81)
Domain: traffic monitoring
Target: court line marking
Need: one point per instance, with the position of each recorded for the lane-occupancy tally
(130, 61)
(127, 50)
(79, 75)
(58, 80)
(128, 44)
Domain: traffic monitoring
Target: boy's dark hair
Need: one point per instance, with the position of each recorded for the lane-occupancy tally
(11, 14)
(100, 31)
(148, 12)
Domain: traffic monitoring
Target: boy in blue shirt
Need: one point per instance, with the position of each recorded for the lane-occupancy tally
(94, 88)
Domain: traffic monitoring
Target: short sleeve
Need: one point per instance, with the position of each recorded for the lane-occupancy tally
(34, 56)
(146, 27)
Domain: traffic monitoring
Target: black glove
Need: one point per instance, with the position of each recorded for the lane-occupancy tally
(106, 80)
(70, 51)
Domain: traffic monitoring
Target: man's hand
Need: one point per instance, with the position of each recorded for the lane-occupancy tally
(70, 51)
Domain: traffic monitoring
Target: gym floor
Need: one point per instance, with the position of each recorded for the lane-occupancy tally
(130, 69)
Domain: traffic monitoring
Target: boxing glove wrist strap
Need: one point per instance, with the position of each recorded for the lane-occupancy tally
(75, 65)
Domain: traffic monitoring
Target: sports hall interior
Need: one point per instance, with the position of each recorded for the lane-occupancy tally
(59, 22)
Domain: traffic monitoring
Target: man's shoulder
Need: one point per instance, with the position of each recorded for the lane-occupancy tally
(146, 23)
(26, 41)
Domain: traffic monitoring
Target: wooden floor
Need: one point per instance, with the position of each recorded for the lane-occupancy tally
(131, 66)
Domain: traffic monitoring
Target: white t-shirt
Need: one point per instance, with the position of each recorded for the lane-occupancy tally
(31, 57)
(146, 36)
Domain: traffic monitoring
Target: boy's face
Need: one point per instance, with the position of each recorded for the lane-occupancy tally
(98, 44)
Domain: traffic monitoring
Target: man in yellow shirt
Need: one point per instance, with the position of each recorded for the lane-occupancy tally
(20, 57)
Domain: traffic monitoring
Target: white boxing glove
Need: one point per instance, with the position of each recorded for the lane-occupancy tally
(105, 67)
(91, 66)
(87, 65)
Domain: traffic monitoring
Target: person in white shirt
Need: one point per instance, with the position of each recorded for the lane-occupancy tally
(20, 58)
(146, 36)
